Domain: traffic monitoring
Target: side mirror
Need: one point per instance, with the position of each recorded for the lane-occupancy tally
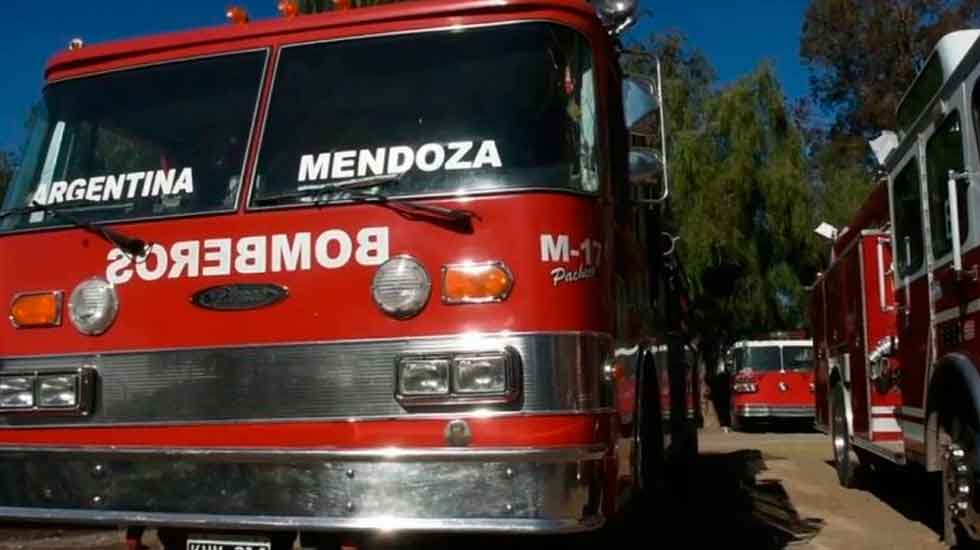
(643, 108)
(646, 168)
(640, 101)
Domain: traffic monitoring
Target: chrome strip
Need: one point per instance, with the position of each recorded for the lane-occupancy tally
(761, 411)
(535, 491)
(562, 373)
(290, 456)
(500, 334)
(384, 523)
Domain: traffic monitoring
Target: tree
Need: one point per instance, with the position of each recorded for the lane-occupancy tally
(7, 166)
(740, 198)
(863, 54)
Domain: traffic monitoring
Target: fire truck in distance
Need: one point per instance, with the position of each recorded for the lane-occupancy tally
(894, 315)
(772, 379)
(384, 269)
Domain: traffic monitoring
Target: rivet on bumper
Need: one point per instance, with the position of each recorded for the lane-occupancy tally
(458, 433)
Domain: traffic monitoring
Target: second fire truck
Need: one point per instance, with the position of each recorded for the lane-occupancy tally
(895, 314)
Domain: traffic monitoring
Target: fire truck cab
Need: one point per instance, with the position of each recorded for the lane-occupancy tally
(772, 380)
(894, 315)
(391, 268)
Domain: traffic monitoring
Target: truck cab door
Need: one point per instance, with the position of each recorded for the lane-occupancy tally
(911, 280)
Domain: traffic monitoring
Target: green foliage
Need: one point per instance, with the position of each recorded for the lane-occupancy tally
(7, 166)
(741, 202)
(864, 54)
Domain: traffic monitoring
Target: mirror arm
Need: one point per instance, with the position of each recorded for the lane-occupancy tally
(663, 142)
(663, 132)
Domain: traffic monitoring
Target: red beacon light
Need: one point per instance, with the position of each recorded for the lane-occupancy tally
(237, 15)
(288, 8)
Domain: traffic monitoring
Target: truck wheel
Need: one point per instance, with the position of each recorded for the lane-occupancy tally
(957, 443)
(845, 460)
(650, 460)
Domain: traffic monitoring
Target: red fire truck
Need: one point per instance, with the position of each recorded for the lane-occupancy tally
(391, 268)
(772, 379)
(894, 315)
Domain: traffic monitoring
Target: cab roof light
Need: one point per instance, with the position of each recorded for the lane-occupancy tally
(36, 309)
(341, 4)
(237, 15)
(476, 283)
(288, 8)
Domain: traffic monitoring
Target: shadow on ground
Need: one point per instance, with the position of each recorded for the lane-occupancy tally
(910, 491)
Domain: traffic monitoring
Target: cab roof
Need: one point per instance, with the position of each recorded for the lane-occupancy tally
(374, 19)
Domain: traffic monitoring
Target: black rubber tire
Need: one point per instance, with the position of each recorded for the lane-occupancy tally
(958, 424)
(651, 474)
(845, 459)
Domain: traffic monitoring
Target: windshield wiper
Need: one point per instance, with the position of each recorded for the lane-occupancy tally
(351, 190)
(132, 246)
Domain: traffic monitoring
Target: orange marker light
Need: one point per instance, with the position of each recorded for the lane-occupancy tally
(36, 309)
(341, 4)
(476, 283)
(288, 8)
(237, 15)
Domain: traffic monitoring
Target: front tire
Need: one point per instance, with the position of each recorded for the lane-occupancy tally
(845, 459)
(957, 445)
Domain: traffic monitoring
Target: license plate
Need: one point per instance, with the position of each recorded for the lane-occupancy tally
(196, 542)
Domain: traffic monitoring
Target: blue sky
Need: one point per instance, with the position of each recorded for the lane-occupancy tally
(735, 36)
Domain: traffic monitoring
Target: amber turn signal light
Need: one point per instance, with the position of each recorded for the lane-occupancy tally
(36, 309)
(476, 283)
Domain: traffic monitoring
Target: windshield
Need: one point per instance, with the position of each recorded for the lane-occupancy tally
(758, 358)
(456, 111)
(156, 141)
(798, 358)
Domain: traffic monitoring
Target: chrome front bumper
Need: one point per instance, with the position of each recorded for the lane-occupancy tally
(766, 411)
(447, 490)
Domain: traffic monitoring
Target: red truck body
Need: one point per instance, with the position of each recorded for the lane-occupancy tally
(251, 377)
(773, 380)
(894, 314)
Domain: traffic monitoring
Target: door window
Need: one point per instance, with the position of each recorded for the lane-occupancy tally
(908, 219)
(944, 152)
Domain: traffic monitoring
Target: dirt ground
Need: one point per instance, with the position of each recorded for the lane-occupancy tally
(758, 490)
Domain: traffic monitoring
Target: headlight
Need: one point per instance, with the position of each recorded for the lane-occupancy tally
(58, 391)
(480, 374)
(48, 393)
(401, 287)
(93, 306)
(420, 377)
(16, 392)
(450, 379)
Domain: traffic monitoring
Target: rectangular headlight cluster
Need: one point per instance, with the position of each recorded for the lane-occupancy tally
(63, 392)
(459, 378)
